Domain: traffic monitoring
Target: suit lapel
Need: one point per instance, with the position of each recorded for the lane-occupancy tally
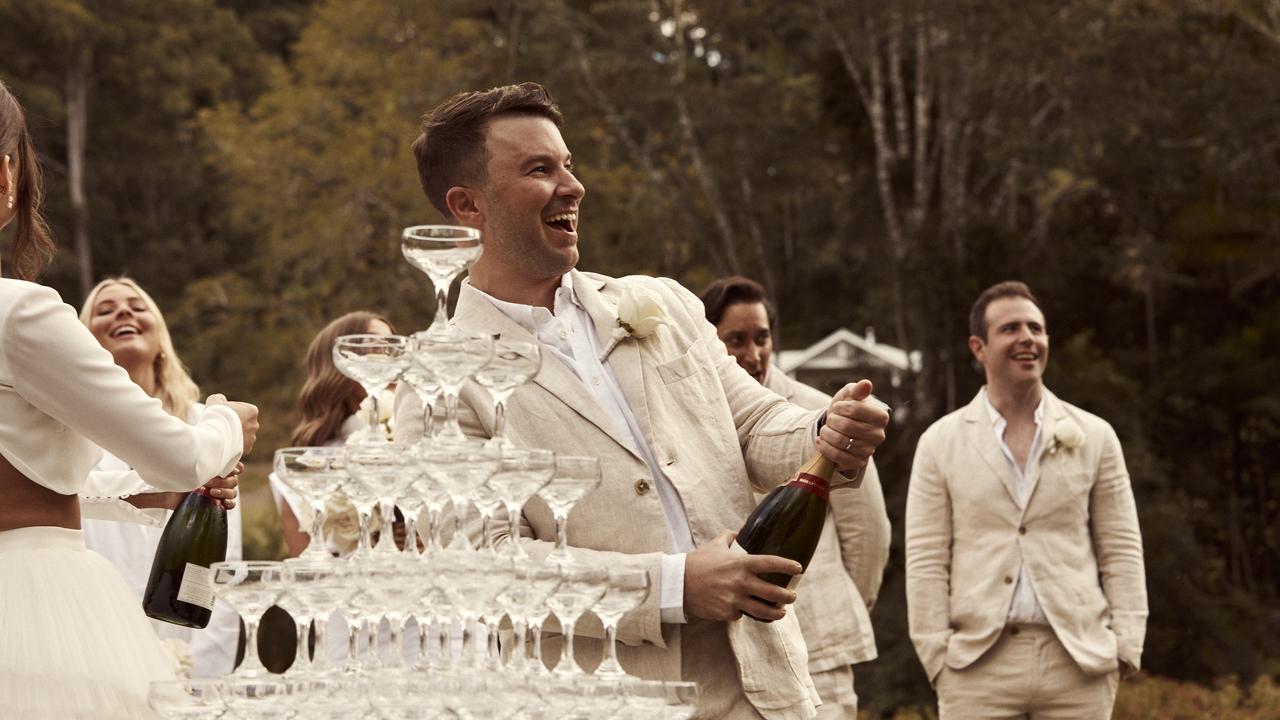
(1054, 413)
(599, 297)
(982, 438)
(476, 314)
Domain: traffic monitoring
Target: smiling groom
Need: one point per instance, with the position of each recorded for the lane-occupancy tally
(633, 374)
(1026, 591)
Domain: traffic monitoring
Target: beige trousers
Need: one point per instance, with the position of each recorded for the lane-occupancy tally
(1026, 674)
(835, 687)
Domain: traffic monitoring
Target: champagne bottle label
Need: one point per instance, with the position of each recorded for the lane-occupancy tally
(197, 586)
(811, 483)
(791, 585)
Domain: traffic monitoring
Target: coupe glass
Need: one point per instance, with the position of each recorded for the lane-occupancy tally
(441, 252)
(386, 470)
(521, 473)
(249, 586)
(374, 361)
(320, 587)
(581, 587)
(187, 699)
(260, 698)
(315, 473)
(460, 469)
(301, 615)
(472, 581)
(434, 498)
(573, 479)
(427, 388)
(682, 700)
(626, 591)
(363, 495)
(514, 363)
(385, 580)
(525, 598)
(451, 356)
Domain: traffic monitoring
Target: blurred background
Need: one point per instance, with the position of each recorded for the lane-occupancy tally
(874, 164)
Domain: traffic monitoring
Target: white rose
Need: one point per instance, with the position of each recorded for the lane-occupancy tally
(1068, 434)
(640, 312)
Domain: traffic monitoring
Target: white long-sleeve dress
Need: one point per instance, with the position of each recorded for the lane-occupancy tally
(73, 640)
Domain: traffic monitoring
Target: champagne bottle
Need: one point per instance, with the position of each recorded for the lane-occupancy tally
(180, 589)
(789, 521)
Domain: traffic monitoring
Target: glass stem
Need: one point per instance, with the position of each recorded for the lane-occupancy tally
(397, 650)
(519, 660)
(535, 627)
(387, 541)
(372, 658)
(500, 420)
(562, 534)
(567, 662)
(365, 516)
(410, 534)
(428, 419)
(486, 522)
(374, 430)
(442, 307)
(252, 663)
(513, 531)
(610, 666)
(302, 659)
(320, 657)
(353, 642)
(315, 546)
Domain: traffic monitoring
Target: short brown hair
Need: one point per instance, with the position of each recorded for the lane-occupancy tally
(1006, 289)
(33, 246)
(736, 290)
(451, 149)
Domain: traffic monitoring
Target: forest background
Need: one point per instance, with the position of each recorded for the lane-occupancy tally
(872, 163)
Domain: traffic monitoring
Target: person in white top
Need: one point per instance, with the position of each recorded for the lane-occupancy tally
(73, 640)
(843, 578)
(128, 323)
(1026, 592)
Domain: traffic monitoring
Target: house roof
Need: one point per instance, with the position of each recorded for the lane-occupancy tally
(833, 352)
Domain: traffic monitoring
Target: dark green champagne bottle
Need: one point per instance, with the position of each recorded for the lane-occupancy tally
(180, 589)
(789, 521)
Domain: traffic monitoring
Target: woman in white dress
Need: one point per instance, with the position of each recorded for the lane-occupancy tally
(128, 323)
(74, 643)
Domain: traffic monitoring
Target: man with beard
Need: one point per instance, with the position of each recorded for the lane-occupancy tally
(682, 433)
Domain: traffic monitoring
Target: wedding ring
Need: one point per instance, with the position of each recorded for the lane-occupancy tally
(849, 445)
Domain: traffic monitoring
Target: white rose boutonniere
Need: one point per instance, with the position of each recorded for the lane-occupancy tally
(640, 313)
(1067, 434)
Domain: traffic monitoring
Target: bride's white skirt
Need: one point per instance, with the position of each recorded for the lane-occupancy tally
(74, 642)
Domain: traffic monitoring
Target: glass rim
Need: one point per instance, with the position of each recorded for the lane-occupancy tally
(374, 339)
(447, 233)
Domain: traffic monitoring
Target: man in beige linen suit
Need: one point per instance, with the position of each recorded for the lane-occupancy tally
(1026, 590)
(681, 432)
(843, 578)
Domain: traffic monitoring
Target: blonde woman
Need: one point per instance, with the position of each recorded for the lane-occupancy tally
(127, 322)
(73, 640)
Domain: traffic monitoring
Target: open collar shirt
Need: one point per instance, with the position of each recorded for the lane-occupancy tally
(1025, 607)
(568, 332)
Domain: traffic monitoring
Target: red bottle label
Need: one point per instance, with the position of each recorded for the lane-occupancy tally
(813, 484)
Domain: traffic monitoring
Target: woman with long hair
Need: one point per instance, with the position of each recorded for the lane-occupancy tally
(128, 323)
(329, 403)
(75, 642)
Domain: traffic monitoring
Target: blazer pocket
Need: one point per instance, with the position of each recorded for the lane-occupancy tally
(673, 371)
(1079, 482)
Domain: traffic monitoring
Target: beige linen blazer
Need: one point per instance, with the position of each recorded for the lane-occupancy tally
(1078, 535)
(716, 432)
(841, 583)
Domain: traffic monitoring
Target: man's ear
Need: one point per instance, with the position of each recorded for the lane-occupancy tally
(978, 348)
(465, 206)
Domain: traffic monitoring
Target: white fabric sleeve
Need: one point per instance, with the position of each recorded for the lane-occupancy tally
(672, 589)
(59, 368)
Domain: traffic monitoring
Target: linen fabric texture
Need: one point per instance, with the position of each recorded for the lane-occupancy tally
(716, 433)
(1078, 535)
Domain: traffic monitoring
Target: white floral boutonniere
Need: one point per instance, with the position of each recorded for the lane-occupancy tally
(1067, 434)
(640, 313)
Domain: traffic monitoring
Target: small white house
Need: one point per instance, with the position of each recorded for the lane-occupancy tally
(844, 356)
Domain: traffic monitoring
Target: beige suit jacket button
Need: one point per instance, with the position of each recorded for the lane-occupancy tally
(1022, 530)
(1008, 580)
(642, 486)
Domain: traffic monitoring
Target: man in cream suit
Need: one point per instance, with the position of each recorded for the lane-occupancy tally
(682, 433)
(1025, 584)
(843, 578)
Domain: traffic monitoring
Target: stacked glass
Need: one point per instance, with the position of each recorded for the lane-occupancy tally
(451, 587)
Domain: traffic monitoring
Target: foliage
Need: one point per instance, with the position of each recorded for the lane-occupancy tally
(871, 163)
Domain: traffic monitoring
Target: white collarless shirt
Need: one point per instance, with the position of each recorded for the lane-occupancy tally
(1025, 607)
(569, 333)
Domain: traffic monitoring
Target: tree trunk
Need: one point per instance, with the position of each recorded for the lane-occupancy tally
(77, 100)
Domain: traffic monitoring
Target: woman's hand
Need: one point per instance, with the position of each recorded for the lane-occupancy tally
(226, 489)
(248, 418)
